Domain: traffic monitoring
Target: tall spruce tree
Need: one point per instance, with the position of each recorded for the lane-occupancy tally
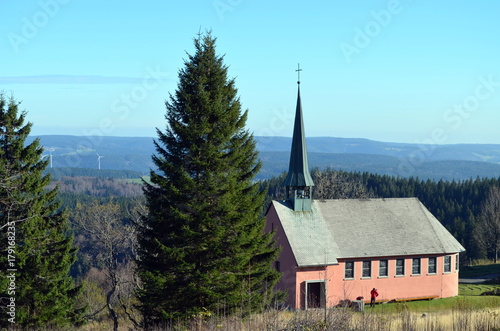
(202, 245)
(36, 250)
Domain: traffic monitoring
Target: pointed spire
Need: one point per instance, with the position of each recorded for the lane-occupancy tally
(298, 170)
(298, 181)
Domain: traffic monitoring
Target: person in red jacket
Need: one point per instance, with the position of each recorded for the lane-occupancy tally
(374, 295)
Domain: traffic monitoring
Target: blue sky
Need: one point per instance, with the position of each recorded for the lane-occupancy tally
(400, 71)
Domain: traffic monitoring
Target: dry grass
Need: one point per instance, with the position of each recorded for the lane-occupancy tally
(458, 319)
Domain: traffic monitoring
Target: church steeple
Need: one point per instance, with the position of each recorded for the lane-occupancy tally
(298, 182)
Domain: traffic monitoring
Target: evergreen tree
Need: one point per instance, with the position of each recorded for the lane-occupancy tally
(202, 245)
(37, 252)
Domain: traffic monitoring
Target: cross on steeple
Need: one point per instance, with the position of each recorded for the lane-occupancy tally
(298, 73)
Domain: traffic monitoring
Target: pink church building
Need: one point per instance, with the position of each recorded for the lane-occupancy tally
(335, 250)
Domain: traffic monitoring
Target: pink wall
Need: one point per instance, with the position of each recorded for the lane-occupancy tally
(391, 287)
(286, 259)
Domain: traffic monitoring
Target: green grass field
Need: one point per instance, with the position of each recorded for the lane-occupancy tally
(479, 270)
(471, 302)
(139, 180)
(471, 296)
(477, 289)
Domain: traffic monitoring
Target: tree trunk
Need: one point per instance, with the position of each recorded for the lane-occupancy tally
(112, 312)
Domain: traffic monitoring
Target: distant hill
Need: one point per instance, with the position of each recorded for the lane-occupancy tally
(460, 161)
(277, 162)
(117, 153)
(464, 152)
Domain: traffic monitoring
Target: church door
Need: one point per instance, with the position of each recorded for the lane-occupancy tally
(315, 294)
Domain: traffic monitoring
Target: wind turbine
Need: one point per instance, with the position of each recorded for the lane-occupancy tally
(99, 157)
(50, 156)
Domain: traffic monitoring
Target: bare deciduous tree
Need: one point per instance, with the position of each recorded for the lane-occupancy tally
(112, 243)
(487, 231)
(331, 184)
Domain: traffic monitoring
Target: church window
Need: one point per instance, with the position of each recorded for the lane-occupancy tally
(415, 269)
(447, 263)
(400, 267)
(367, 269)
(432, 269)
(383, 268)
(349, 269)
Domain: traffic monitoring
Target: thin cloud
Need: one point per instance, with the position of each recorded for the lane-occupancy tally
(69, 79)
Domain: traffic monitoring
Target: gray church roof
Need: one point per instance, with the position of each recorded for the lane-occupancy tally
(359, 228)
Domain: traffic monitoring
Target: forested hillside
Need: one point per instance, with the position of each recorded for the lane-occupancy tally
(58, 173)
